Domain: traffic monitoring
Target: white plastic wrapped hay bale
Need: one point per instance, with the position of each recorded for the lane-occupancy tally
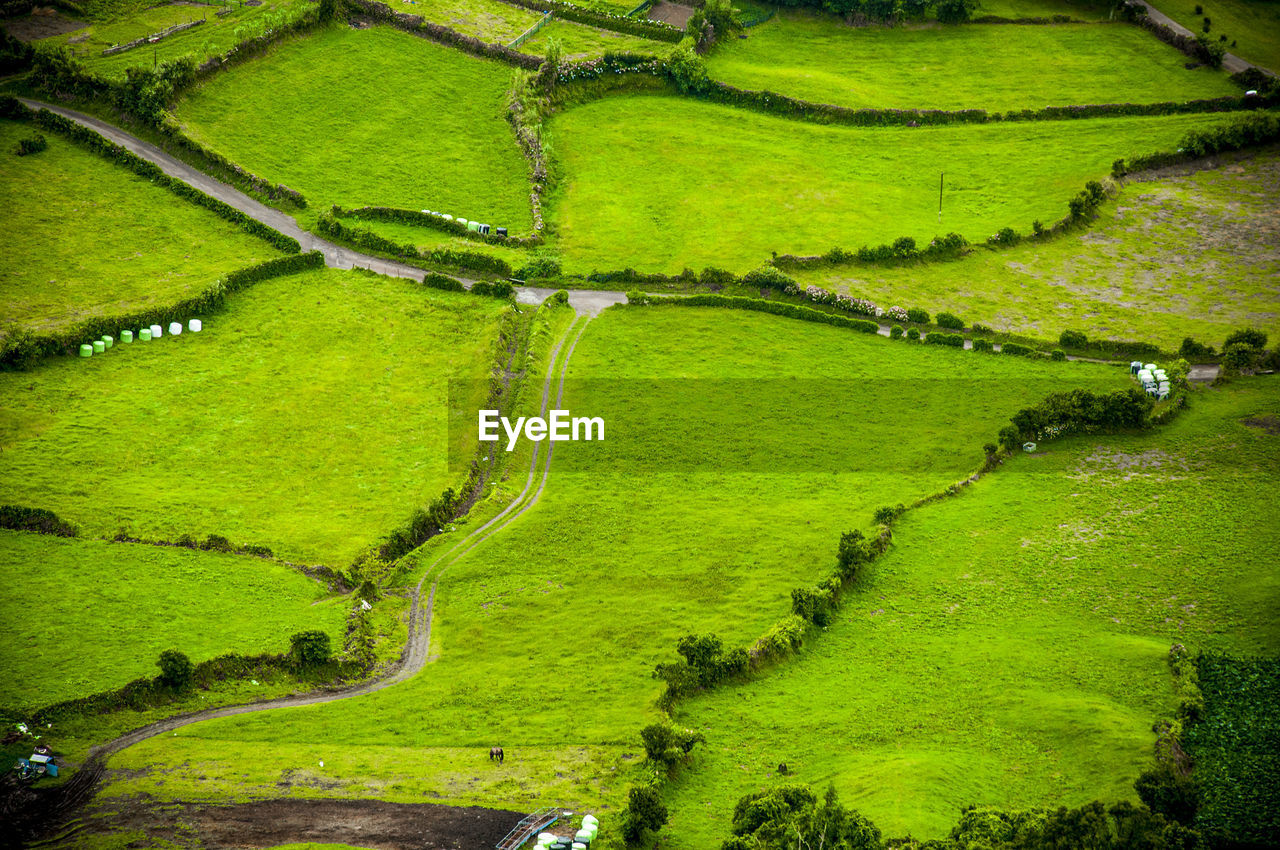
(175, 328)
(108, 341)
(156, 331)
(588, 821)
(195, 326)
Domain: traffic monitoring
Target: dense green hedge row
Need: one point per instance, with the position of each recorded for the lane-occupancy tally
(760, 305)
(88, 138)
(365, 239)
(421, 219)
(22, 349)
(419, 26)
(38, 520)
(602, 20)
(1259, 128)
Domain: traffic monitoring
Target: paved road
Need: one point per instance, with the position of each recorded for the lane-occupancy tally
(1231, 63)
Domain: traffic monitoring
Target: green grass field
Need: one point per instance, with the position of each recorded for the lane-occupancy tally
(659, 183)
(1010, 648)
(1083, 10)
(427, 238)
(83, 616)
(582, 42)
(216, 36)
(309, 417)
(101, 240)
(818, 58)
(743, 445)
(1253, 24)
(384, 137)
(492, 21)
(1186, 255)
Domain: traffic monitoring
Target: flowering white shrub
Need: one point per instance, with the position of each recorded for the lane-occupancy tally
(898, 314)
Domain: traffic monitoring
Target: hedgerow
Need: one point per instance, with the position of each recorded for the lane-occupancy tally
(38, 520)
(436, 222)
(361, 237)
(760, 305)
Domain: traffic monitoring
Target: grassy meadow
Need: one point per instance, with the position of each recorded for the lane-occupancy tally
(413, 124)
(1185, 255)
(578, 41)
(1010, 649)
(135, 245)
(818, 58)
(659, 183)
(214, 37)
(741, 447)
(1253, 24)
(122, 604)
(309, 417)
(489, 20)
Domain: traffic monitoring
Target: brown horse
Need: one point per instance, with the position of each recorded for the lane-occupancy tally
(496, 754)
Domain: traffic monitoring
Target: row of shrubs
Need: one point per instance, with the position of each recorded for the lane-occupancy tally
(211, 543)
(421, 219)
(32, 145)
(899, 251)
(760, 305)
(440, 34)
(1261, 128)
(22, 349)
(87, 138)
(329, 226)
(1078, 412)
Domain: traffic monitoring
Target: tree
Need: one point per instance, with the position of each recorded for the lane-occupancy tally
(1250, 337)
(645, 811)
(787, 816)
(852, 552)
(1166, 791)
(309, 648)
(666, 745)
(1009, 438)
(176, 669)
(956, 11)
(687, 68)
(550, 67)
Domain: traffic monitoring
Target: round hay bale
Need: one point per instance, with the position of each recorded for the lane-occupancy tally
(195, 326)
(99, 346)
(156, 331)
(108, 341)
(126, 336)
(175, 328)
(86, 350)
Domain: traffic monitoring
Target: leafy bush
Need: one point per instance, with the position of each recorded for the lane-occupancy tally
(888, 513)
(788, 816)
(852, 552)
(938, 338)
(541, 267)
(687, 70)
(666, 745)
(1210, 52)
(439, 281)
(309, 648)
(1072, 339)
(955, 11)
(1009, 438)
(1057, 354)
(1017, 349)
(703, 664)
(645, 812)
(913, 333)
(1165, 790)
(950, 321)
(917, 315)
(813, 604)
(768, 277)
(983, 345)
(175, 670)
(1004, 237)
(1248, 337)
(782, 637)
(1191, 348)
(1085, 412)
(896, 332)
(35, 519)
(32, 145)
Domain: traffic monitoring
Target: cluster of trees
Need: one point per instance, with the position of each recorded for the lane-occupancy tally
(1245, 351)
(1078, 411)
(792, 816)
(703, 663)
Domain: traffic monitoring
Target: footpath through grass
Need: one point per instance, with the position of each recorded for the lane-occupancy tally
(84, 616)
(1010, 648)
(659, 183)
(309, 417)
(81, 237)
(1191, 254)
(738, 448)
(999, 68)
(370, 117)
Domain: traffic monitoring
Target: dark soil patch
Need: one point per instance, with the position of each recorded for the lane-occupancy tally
(361, 823)
(671, 13)
(1269, 423)
(41, 23)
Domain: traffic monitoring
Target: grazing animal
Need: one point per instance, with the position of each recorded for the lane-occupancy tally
(496, 754)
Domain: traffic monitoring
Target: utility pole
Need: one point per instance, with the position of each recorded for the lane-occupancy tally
(941, 176)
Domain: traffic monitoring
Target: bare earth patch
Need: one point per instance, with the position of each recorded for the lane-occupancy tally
(361, 823)
(1270, 423)
(41, 23)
